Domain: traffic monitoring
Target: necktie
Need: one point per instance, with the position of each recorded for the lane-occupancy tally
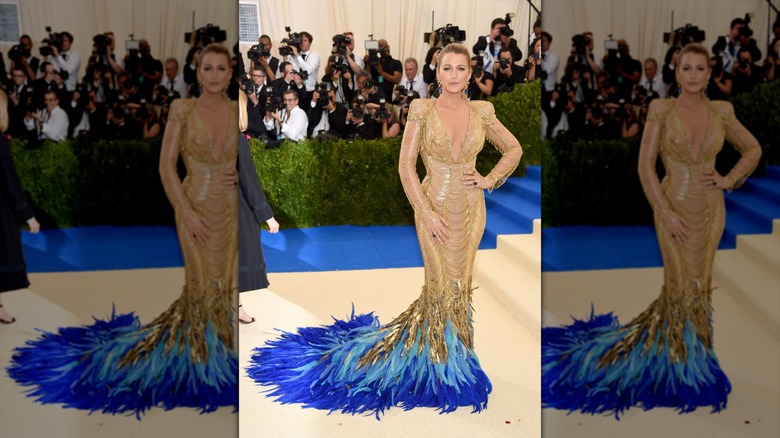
(65, 56)
(411, 86)
(303, 55)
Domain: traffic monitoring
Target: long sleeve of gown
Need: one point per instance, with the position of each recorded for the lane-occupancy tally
(505, 142)
(11, 185)
(251, 188)
(169, 155)
(648, 154)
(410, 149)
(745, 143)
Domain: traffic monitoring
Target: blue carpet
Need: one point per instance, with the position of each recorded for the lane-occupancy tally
(749, 210)
(510, 210)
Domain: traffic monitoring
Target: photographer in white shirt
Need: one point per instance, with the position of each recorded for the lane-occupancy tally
(52, 121)
(291, 121)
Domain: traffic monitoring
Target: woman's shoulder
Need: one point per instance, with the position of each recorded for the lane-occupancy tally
(483, 108)
(723, 108)
(180, 108)
(419, 108)
(659, 108)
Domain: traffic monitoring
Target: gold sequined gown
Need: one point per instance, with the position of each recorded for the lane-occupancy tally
(186, 356)
(425, 356)
(664, 357)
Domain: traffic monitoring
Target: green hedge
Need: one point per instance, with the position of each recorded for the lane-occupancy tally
(596, 182)
(311, 183)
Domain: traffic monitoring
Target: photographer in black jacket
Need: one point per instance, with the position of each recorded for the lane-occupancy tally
(507, 73)
(499, 38)
(327, 118)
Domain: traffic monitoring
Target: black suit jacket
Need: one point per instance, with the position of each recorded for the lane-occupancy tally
(482, 45)
(337, 120)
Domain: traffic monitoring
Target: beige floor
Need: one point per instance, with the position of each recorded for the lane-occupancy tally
(67, 299)
(506, 340)
(746, 322)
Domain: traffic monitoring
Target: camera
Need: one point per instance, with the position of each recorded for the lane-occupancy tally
(372, 47)
(293, 39)
(205, 35)
(743, 62)
(248, 84)
(444, 35)
(323, 88)
(141, 113)
(272, 104)
(303, 74)
(54, 40)
(101, 43)
(16, 52)
(580, 44)
(256, 52)
(684, 35)
(506, 31)
(504, 63)
(381, 113)
(368, 83)
(337, 63)
(340, 42)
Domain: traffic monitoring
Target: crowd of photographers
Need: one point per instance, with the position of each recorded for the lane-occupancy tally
(118, 97)
(608, 97)
(295, 93)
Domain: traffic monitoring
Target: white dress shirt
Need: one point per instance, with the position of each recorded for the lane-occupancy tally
(419, 85)
(657, 85)
(310, 65)
(54, 126)
(70, 62)
(550, 63)
(178, 85)
(293, 127)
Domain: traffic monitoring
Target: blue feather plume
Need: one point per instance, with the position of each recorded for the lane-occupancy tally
(78, 367)
(573, 380)
(318, 367)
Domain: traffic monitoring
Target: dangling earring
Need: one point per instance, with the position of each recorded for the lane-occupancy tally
(438, 90)
(679, 89)
(466, 91)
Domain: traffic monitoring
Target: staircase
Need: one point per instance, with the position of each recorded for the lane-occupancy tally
(511, 274)
(512, 208)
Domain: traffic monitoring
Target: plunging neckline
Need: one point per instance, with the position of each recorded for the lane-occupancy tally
(208, 134)
(688, 136)
(449, 140)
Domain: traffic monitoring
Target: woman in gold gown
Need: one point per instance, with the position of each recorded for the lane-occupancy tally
(425, 356)
(664, 357)
(186, 356)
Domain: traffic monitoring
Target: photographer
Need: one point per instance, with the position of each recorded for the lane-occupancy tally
(652, 80)
(481, 82)
(289, 79)
(507, 73)
(386, 72)
(146, 70)
(51, 122)
(327, 117)
(747, 74)
(104, 46)
(413, 79)
(304, 60)
(339, 75)
(551, 61)
(20, 97)
(624, 70)
(429, 69)
(50, 80)
(533, 64)
(491, 45)
(265, 59)
(721, 82)
(121, 124)
(150, 121)
(173, 80)
(21, 55)
(96, 113)
(65, 60)
(728, 46)
(359, 123)
(389, 121)
(291, 122)
(772, 62)
(368, 89)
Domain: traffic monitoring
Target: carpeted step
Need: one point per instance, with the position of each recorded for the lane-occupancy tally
(751, 274)
(514, 282)
(523, 250)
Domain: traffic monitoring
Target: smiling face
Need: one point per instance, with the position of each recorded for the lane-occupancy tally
(453, 72)
(214, 72)
(693, 73)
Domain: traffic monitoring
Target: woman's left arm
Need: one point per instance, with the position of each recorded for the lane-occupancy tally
(505, 142)
(745, 143)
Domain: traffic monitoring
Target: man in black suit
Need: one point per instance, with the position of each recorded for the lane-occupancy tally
(270, 63)
(334, 125)
(493, 43)
(27, 61)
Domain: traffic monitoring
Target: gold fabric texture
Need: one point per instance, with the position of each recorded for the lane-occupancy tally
(446, 295)
(686, 295)
(210, 268)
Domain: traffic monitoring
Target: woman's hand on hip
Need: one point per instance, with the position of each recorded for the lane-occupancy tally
(474, 180)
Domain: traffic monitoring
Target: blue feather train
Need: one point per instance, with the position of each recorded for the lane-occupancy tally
(574, 380)
(79, 367)
(318, 367)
